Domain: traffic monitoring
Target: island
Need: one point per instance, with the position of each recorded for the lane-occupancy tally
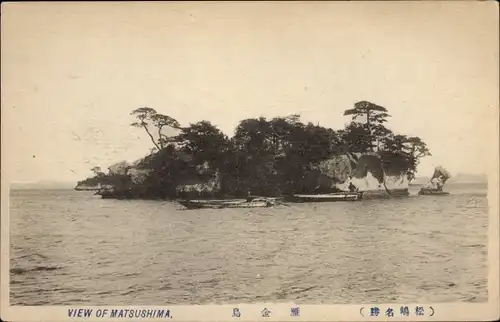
(265, 157)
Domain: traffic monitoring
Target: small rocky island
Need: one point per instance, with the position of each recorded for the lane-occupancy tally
(265, 157)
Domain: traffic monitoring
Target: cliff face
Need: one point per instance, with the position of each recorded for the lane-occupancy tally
(197, 186)
(365, 171)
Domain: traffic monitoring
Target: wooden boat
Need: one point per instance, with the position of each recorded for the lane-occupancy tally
(330, 197)
(385, 194)
(220, 204)
(432, 191)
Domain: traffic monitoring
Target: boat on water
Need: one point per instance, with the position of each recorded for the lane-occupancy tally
(385, 194)
(220, 204)
(329, 197)
(436, 183)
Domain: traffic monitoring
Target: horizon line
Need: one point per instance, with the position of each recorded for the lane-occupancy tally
(55, 181)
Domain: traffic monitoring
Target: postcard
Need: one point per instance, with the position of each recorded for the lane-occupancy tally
(250, 161)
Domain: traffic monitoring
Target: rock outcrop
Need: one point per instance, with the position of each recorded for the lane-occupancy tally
(365, 171)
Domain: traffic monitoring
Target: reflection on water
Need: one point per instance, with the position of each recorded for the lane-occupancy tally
(70, 247)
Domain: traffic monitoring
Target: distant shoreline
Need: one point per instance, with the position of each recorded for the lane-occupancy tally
(44, 188)
(452, 183)
(69, 187)
(35, 186)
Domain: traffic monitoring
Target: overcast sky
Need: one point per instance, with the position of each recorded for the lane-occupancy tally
(72, 73)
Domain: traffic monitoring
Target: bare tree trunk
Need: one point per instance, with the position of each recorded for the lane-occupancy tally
(159, 136)
(368, 120)
(369, 127)
(383, 180)
(386, 189)
(151, 137)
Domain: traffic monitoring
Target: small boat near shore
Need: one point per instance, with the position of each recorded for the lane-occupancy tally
(330, 197)
(386, 194)
(220, 204)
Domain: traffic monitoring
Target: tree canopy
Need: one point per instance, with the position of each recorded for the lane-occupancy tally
(266, 157)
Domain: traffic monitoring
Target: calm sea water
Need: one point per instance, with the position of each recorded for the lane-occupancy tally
(70, 247)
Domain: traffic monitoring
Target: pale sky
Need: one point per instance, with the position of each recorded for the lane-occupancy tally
(72, 73)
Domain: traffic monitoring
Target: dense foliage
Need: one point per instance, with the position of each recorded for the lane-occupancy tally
(266, 157)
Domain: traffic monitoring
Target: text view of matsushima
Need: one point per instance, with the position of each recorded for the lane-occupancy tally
(268, 162)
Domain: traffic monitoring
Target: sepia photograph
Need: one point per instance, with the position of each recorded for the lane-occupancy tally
(227, 153)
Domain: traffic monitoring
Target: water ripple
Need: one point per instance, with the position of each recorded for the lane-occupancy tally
(71, 248)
